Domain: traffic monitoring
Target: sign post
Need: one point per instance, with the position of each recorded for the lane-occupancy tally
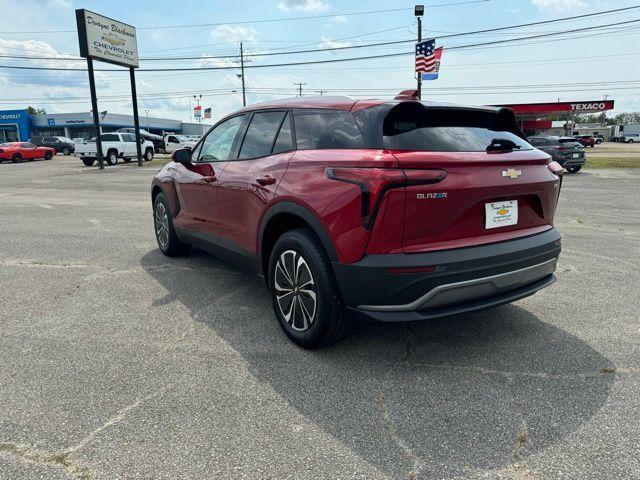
(108, 40)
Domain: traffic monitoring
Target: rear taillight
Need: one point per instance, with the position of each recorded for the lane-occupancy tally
(374, 183)
(556, 168)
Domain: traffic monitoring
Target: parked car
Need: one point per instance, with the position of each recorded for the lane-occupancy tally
(20, 151)
(62, 145)
(630, 138)
(599, 139)
(77, 140)
(173, 142)
(157, 140)
(392, 210)
(114, 146)
(567, 151)
(586, 140)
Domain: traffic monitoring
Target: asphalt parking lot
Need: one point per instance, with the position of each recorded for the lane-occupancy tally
(117, 362)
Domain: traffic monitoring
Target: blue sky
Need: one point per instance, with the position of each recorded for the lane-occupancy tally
(611, 56)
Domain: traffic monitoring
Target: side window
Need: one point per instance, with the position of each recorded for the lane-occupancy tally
(50, 139)
(128, 137)
(216, 147)
(284, 142)
(109, 137)
(27, 145)
(173, 139)
(261, 134)
(326, 130)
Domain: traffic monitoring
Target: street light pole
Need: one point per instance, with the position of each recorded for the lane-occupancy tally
(146, 110)
(419, 12)
(244, 95)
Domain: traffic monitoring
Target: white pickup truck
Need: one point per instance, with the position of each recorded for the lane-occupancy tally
(173, 142)
(114, 146)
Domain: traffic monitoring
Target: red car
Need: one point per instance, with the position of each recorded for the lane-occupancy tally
(394, 210)
(20, 151)
(586, 140)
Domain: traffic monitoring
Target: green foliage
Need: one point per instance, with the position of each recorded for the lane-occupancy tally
(35, 111)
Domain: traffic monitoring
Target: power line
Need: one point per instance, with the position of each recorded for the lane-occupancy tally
(396, 42)
(268, 20)
(335, 60)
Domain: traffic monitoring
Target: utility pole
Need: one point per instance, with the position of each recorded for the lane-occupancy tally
(244, 95)
(419, 12)
(299, 84)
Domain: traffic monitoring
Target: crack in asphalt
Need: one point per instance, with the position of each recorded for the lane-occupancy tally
(381, 400)
(61, 459)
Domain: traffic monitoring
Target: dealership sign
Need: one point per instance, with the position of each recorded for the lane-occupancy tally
(106, 39)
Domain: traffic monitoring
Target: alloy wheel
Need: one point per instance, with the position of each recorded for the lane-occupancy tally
(295, 290)
(161, 221)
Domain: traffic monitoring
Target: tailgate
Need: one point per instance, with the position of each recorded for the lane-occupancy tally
(486, 197)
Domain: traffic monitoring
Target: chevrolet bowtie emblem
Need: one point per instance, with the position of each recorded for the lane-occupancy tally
(511, 173)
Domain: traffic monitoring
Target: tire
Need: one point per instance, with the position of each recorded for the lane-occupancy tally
(148, 155)
(48, 155)
(65, 151)
(112, 157)
(575, 169)
(168, 242)
(16, 158)
(322, 321)
(88, 161)
(126, 160)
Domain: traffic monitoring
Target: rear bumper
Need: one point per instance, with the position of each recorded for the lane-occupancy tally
(463, 279)
(573, 162)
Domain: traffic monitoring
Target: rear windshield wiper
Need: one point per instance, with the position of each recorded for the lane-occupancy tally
(502, 145)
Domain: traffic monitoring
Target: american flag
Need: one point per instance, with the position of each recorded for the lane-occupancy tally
(207, 112)
(428, 58)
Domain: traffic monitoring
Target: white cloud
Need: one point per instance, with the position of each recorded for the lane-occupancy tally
(311, 6)
(557, 6)
(337, 20)
(328, 43)
(52, 78)
(229, 33)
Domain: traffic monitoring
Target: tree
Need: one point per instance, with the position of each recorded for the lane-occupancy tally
(35, 111)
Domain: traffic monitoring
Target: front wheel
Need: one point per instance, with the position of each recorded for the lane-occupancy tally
(16, 158)
(48, 155)
(304, 292)
(148, 155)
(112, 158)
(168, 241)
(575, 169)
(88, 161)
(65, 151)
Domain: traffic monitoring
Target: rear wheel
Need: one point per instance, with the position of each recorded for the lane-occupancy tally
(575, 169)
(16, 158)
(304, 292)
(65, 151)
(168, 241)
(48, 155)
(112, 157)
(88, 161)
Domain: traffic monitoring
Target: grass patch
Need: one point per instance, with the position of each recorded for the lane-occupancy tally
(613, 162)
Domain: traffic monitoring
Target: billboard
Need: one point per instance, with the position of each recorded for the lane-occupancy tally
(103, 38)
(197, 111)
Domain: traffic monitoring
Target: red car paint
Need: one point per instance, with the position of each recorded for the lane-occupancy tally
(586, 141)
(19, 151)
(229, 202)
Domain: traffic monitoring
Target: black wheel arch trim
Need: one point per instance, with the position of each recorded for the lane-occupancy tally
(306, 215)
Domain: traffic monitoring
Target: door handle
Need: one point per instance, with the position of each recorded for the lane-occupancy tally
(266, 180)
(210, 178)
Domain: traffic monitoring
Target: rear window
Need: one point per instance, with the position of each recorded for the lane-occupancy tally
(411, 126)
(322, 130)
(569, 142)
(423, 127)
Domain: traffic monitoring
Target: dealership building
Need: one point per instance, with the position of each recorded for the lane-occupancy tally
(19, 125)
(533, 119)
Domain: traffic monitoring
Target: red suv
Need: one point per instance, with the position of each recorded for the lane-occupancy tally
(395, 210)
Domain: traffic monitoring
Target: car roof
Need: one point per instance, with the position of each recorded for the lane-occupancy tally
(347, 104)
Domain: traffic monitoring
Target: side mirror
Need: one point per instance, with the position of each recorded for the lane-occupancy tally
(181, 155)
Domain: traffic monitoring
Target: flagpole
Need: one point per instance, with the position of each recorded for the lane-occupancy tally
(418, 11)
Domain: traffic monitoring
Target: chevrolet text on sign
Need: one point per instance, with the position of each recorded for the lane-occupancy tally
(106, 39)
